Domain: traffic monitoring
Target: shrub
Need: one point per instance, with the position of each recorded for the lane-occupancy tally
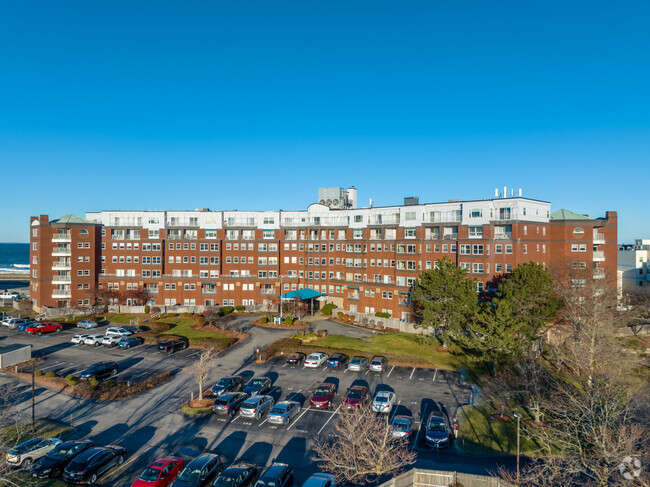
(340, 315)
(288, 320)
(217, 343)
(199, 320)
(240, 307)
(70, 377)
(226, 310)
(38, 373)
(156, 327)
(381, 314)
(286, 345)
(110, 383)
(93, 382)
(155, 309)
(147, 309)
(72, 380)
(153, 338)
(263, 319)
(328, 309)
(321, 333)
(50, 374)
(105, 308)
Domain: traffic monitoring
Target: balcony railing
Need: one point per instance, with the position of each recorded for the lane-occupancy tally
(61, 294)
(599, 256)
(61, 237)
(353, 297)
(599, 274)
(267, 291)
(61, 265)
(503, 236)
(64, 279)
(450, 236)
(61, 251)
(599, 238)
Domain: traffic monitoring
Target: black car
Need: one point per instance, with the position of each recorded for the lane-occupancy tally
(101, 370)
(258, 386)
(91, 464)
(229, 403)
(227, 384)
(277, 475)
(241, 474)
(337, 361)
(52, 464)
(133, 329)
(171, 346)
(295, 358)
(200, 472)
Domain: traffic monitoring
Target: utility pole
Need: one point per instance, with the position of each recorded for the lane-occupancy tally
(518, 416)
(33, 388)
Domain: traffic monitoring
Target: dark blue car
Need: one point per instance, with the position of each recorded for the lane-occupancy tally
(337, 361)
(128, 342)
(437, 432)
(24, 326)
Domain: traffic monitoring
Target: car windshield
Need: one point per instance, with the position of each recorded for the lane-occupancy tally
(314, 357)
(190, 474)
(150, 474)
(381, 399)
(355, 394)
(400, 425)
(355, 362)
(436, 426)
(59, 453)
(265, 483)
(376, 362)
(321, 392)
(223, 382)
(257, 382)
(278, 410)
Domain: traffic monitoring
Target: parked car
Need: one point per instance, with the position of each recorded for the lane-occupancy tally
(356, 397)
(78, 339)
(25, 325)
(128, 342)
(240, 474)
(227, 384)
(316, 359)
(295, 358)
(87, 324)
(229, 403)
(337, 361)
(120, 331)
(401, 429)
(160, 473)
(277, 475)
(257, 385)
(320, 480)
(256, 407)
(200, 472)
(383, 402)
(100, 370)
(52, 464)
(14, 322)
(323, 396)
(283, 412)
(358, 364)
(111, 340)
(9, 295)
(171, 346)
(94, 339)
(437, 431)
(133, 329)
(40, 328)
(91, 464)
(378, 363)
(24, 454)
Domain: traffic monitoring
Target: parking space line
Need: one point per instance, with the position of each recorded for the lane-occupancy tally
(261, 423)
(329, 419)
(51, 366)
(413, 372)
(120, 468)
(391, 371)
(367, 372)
(435, 372)
(235, 418)
(297, 419)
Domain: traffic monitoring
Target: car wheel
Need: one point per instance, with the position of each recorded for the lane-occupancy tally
(114, 371)
(27, 462)
(120, 460)
(58, 329)
(128, 346)
(93, 478)
(97, 344)
(171, 351)
(39, 333)
(184, 346)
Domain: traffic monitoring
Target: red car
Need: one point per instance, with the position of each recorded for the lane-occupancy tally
(160, 473)
(356, 397)
(323, 396)
(40, 328)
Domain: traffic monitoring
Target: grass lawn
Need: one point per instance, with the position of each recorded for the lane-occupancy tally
(183, 327)
(401, 345)
(120, 318)
(6, 309)
(480, 435)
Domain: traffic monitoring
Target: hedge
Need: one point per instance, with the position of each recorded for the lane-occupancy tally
(381, 314)
(216, 343)
(156, 327)
(263, 320)
(328, 308)
(226, 310)
(38, 373)
(288, 320)
(199, 320)
(50, 374)
(152, 338)
(240, 307)
(147, 309)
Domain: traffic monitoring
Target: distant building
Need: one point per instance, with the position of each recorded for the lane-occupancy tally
(364, 259)
(634, 267)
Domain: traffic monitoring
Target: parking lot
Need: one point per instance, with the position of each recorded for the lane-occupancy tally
(65, 358)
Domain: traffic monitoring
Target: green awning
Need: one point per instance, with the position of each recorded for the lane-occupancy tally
(353, 287)
(403, 292)
(209, 283)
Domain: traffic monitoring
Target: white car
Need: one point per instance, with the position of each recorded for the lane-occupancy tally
(111, 340)
(316, 359)
(24, 454)
(87, 324)
(123, 332)
(383, 402)
(78, 339)
(93, 340)
(9, 295)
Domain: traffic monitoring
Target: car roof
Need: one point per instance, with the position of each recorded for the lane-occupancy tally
(202, 459)
(356, 388)
(274, 470)
(359, 357)
(286, 403)
(383, 393)
(436, 419)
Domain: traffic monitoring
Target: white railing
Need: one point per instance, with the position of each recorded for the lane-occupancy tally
(134, 321)
(61, 251)
(599, 255)
(61, 294)
(599, 273)
(503, 236)
(599, 238)
(61, 237)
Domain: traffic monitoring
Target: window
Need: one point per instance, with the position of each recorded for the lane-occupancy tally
(358, 218)
(476, 213)
(465, 249)
(498, 248)
(409, 216)
(477, 268)
(475, 232)
(269, 220)
(410, 232)
(477, 249)
(508, 248)
(498, 268)
(578, 230)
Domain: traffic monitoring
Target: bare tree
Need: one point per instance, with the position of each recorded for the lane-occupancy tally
(14, 428)
(202, 367)
(362, 450)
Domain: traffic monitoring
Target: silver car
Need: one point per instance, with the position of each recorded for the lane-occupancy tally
(87, 324)
(78, 339)
(283, 412)
(256, 407)
(320, 480)
(24, 454)
(358, 364)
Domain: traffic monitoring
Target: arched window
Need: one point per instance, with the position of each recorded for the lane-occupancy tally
(578, 230)
(83, 231)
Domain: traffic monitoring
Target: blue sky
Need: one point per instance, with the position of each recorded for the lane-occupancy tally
(254, 105)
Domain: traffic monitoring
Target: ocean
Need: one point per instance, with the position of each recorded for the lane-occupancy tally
(14, 258)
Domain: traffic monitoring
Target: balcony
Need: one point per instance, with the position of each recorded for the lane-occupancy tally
(450, 236)
(61, 293)
(61, 266)
(353, 297)
(599, 274)
(61, 237)
(599, 238)
(599, 256)
(503, 236)
(267, 292)
(61, 280)
(65, 251)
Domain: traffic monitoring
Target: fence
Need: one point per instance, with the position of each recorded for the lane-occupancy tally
(119, 308)
(439, 478)
(373, 321)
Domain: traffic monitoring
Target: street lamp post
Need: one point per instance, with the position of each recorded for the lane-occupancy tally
(518, 416)
(281, 290)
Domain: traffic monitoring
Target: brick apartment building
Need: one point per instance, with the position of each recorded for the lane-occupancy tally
(363, 259)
